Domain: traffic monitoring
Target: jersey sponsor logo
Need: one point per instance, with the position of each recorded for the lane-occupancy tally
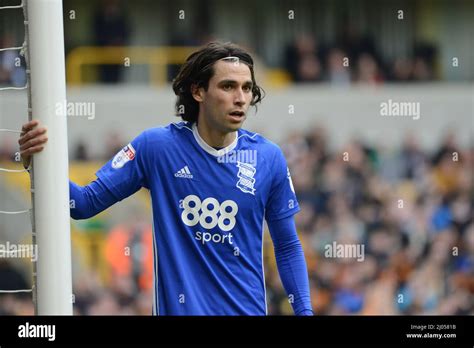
(209, 213)
(184, 173)
(246, 175)
(217, 238)
(123, 156)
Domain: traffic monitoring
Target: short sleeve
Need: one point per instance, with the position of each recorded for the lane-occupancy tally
(125, 174)
(282, 200)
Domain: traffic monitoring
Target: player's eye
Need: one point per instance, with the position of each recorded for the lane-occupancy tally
(227, 87)
(247, 88)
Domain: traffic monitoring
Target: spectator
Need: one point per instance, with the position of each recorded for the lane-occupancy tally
(302, 61)
(338, 74)
(368, 71)
(12, 65)
(81, 152)
(111, 28)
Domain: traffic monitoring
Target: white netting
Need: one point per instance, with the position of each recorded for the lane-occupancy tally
(23, 52)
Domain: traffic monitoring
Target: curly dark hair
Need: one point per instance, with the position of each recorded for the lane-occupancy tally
(199, 69)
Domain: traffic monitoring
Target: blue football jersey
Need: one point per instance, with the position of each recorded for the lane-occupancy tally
(208, 212)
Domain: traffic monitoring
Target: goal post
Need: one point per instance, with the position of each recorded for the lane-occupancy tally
(49, 171)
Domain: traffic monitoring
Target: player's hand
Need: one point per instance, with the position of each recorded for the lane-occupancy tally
(32, 140)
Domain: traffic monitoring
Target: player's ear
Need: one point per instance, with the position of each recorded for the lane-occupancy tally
(197, 93)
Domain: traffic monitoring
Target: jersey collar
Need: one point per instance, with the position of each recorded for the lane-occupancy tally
(209, 149)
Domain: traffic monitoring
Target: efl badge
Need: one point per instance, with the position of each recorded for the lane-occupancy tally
(124, 155)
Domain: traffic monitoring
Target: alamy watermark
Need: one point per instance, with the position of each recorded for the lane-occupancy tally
(345, 251)
(242, 156)
(403, 109)
(10, 250)
(80, 109)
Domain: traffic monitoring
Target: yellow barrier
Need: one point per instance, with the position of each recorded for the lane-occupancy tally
(157, 58)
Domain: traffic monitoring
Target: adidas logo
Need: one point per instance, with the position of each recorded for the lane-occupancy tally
(184, 173)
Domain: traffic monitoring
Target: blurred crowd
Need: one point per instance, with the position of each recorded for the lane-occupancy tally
(410, 209)
(12, 63)
(355, 59)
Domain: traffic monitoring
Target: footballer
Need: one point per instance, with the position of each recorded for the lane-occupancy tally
(212, 185)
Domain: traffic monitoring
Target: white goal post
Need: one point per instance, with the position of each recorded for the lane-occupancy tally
(49, 171)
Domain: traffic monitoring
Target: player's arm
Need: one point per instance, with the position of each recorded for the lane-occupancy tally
(111, 186)
(291, 264)
(90, 200)
(280, 208)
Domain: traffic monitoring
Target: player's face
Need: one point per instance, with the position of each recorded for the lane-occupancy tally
(228, 97)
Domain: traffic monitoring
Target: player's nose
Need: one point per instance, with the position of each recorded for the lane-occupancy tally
(239, 98)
